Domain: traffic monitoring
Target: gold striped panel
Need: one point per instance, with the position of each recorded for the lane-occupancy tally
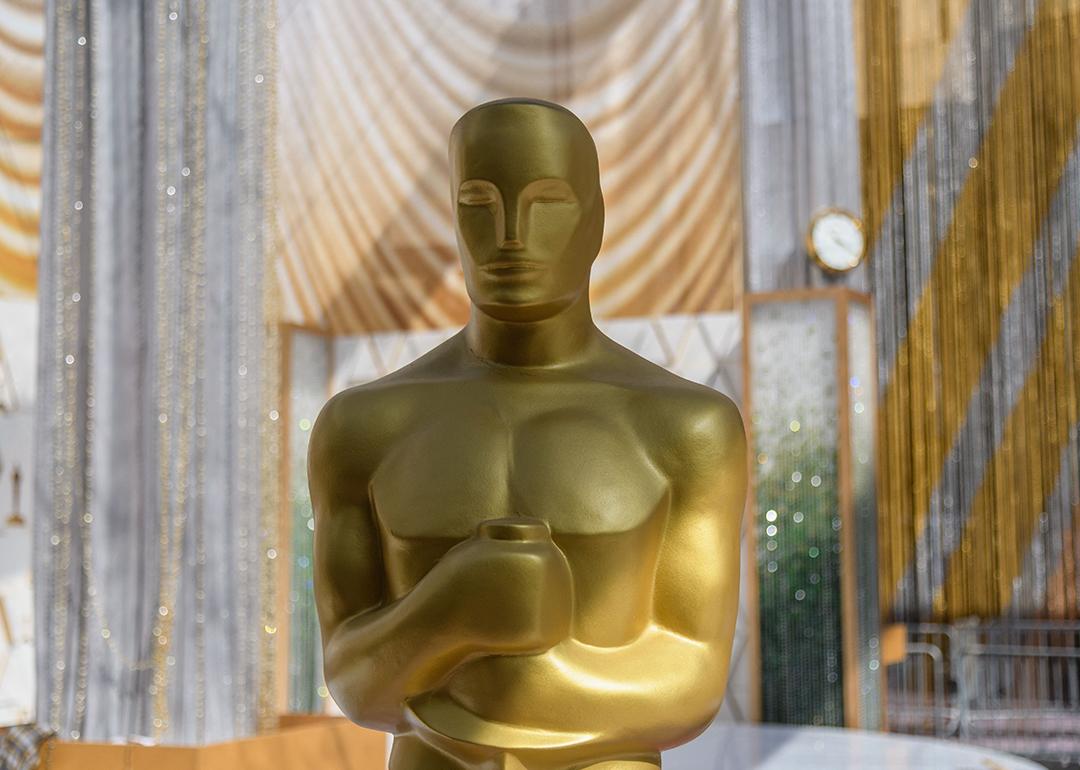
(903, 47)
(1014, 490)
(22, 78)
(369, 91)
(943, 351)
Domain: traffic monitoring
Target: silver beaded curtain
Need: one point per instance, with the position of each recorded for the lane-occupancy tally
(800, 135)
(814, 519)
(156, 443)
(971, 143)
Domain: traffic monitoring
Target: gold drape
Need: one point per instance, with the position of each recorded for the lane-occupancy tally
(22, 62)
(369, 91)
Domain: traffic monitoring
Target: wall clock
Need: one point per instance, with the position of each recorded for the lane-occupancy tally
(836, 240)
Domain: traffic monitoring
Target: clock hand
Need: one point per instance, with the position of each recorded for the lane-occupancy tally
(840, 243)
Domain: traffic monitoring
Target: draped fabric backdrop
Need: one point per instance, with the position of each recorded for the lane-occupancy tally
(370, 89)
(22, 77)
(971, 149)
(156, 449)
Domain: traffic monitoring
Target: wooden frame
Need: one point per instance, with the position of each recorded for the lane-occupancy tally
(843, 298)
(296, 744)
(283, 572)
(750, 566)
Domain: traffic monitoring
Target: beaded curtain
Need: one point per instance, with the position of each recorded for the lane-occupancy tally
(156, 439)
(971, 156)
(813, 469)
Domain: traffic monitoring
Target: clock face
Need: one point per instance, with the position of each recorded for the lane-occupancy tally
(837, 240)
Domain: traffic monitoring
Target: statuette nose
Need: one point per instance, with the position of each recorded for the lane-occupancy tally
(510, 239)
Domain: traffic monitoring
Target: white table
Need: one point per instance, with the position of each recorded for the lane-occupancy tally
(770, 747)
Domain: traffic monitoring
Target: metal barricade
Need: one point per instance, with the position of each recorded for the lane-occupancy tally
(1008, 685)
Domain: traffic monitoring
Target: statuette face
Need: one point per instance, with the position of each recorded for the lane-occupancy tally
(527, 541)
(528, 230)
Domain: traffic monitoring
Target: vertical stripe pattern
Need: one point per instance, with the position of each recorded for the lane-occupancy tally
(971, 189)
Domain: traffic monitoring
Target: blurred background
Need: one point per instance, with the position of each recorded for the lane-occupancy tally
(860, 219)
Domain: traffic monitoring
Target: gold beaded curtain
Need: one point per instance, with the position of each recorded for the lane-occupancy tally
(156, 443)
(370, 89)
(971, 153)
(22, 77)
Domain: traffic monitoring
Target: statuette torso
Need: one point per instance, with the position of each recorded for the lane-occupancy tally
(527, 540)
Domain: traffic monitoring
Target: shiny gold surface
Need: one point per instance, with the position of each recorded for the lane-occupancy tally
(527, 541)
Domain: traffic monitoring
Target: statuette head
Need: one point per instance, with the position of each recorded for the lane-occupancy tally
(528, 209)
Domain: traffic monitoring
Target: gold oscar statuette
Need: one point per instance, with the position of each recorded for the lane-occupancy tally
(527, 541)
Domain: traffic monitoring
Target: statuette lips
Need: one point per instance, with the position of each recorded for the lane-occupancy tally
(503, 267)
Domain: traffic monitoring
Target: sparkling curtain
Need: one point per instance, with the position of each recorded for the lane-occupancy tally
(156, 446)
(971, 149)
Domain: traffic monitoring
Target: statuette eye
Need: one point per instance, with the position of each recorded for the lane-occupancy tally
(550, 191)
(475, 192)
